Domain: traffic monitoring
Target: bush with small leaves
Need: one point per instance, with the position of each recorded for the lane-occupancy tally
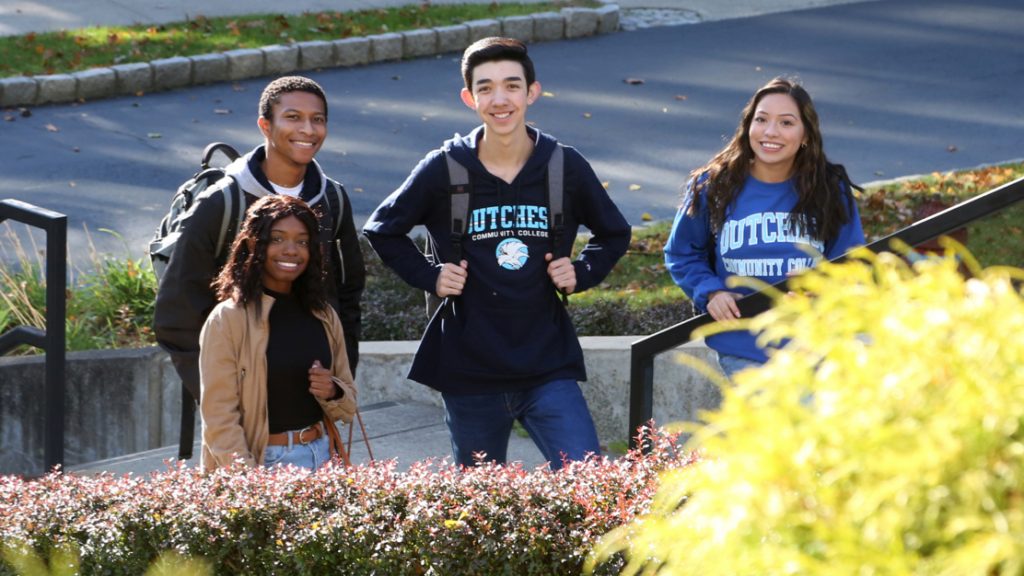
(371, 519)
(886, 437)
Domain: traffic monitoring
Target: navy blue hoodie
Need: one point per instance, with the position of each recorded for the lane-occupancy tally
(508, 330)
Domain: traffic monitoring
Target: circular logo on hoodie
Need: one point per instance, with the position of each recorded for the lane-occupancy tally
(512, 254)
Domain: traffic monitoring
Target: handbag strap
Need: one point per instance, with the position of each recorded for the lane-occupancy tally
(337, 447)
(362, 429)
(343, 449)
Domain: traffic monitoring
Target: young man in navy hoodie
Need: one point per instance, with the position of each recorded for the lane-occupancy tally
(501, 347)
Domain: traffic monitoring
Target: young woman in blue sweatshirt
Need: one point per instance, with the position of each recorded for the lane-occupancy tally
(503, 348)
(767, 205)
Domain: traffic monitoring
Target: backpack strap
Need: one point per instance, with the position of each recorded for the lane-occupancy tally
(556, 197)
(339, 196)
(337, 214)
(459, 191)
(212, 148)
(234, 212)
(556, 204)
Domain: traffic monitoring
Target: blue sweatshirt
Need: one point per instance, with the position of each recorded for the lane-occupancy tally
(508, 330)
(756, 240)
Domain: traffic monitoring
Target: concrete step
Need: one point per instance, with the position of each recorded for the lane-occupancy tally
(404, 431)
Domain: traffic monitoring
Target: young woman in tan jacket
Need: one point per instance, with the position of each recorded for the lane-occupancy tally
(272, 353)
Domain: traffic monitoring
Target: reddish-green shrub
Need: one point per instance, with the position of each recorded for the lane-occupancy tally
(431, 519)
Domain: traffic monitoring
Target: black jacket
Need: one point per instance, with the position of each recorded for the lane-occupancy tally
(185, 297)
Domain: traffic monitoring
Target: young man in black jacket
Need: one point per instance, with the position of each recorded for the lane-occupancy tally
(293, 121)
(502, 347)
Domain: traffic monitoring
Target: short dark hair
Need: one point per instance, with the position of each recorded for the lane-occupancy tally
(495, 49)
(273, 92)
(241, 278)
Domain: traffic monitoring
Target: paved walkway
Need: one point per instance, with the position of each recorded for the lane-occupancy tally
(406, 432)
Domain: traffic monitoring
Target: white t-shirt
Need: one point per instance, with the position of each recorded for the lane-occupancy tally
(294, 191)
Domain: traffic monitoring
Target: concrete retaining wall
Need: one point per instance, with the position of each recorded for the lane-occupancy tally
(126, 401)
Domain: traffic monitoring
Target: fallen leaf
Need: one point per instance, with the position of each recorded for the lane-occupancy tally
(633, 81)
(634, 187)
(646, 217)
(680, 96)
(52, 128)
(606, 185)
(547, 94)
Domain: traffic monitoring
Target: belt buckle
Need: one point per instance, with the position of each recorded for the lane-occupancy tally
(303, 431)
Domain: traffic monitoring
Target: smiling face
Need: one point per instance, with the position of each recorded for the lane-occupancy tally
(776, 134)
(500, 96)
(287, 254)
(296, 130)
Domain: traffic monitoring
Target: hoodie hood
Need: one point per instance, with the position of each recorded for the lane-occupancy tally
(465, 149)
(248, 172)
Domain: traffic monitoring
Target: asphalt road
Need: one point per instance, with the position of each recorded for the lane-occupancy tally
(902, 87)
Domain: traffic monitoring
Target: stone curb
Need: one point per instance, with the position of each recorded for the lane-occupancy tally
(179, 72)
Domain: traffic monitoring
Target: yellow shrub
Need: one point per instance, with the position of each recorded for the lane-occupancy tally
(886, 438)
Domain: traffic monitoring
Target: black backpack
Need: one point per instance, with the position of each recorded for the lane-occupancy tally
(207, 181)
(459, 192)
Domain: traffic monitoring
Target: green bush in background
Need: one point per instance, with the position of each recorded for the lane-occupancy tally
(886, 438)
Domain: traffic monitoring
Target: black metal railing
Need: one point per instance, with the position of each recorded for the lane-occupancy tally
(643, 351)
(52, 340)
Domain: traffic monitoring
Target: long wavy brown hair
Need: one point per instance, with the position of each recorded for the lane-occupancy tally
(241, 279)
(823, 189)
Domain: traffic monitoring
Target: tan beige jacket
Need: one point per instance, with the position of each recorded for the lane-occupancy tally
(233, 375)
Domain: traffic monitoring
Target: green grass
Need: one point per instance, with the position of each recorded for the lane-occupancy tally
(996, 240)
(111, 304)
(80, 49)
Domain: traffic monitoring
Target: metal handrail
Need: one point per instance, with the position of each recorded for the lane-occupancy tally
(643, 351)
(52, 340)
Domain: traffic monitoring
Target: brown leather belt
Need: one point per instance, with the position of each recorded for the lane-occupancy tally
(304, 436)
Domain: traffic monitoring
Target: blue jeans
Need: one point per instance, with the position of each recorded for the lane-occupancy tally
(732, 364)
(554, 414)
(311, 456)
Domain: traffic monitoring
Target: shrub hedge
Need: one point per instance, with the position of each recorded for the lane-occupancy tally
(372, 519)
